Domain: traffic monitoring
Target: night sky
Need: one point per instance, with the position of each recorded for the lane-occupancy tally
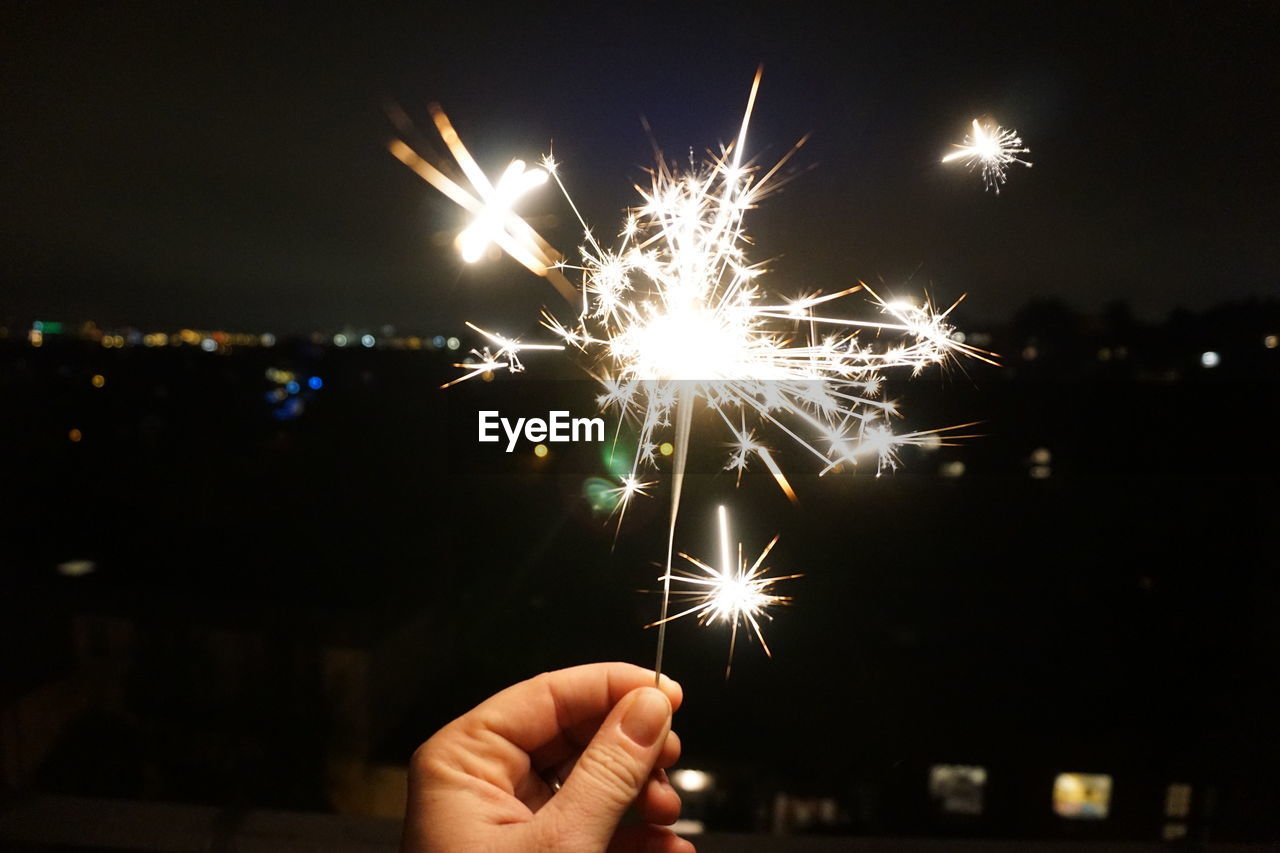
(165, 165)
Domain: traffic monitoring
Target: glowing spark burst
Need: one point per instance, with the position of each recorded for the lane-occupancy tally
(674, 316)
(993, 148)
(733, 593)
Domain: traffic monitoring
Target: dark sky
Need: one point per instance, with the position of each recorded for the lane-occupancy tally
(219, 165)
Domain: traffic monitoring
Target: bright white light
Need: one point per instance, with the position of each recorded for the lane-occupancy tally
(991, 148)
(367, 341)
(453, 343)
(691, 780)
(339, 340)
(208, 345)
(735, 593)
(1210, 359)
(268, 339)
(491, 223)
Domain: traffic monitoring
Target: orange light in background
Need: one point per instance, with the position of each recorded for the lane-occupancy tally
(540, 451)
(98, 380)
(75, 435)
(1271, 341)
(666, 448)
(1082, 795)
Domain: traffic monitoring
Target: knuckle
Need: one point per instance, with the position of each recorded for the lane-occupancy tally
(425, 761)
(618, 773)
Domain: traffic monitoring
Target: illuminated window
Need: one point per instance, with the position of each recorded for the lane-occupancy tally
(1082, 796)
(957, 788)
(1177, 800)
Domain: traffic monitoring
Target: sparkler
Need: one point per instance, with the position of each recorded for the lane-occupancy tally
(674, 316)
(992, 147)
(733, 593)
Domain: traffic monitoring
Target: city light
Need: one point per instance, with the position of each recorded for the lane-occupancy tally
(1210, 359)
(98, 380)
(367, 341)
(76, 568)
(540, 451)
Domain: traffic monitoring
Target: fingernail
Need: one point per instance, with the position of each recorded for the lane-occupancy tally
(646, 719)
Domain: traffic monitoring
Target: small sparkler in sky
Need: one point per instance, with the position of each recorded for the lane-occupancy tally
(732, 593)
(991, 147)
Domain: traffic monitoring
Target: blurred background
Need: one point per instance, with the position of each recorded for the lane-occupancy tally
(251, 557)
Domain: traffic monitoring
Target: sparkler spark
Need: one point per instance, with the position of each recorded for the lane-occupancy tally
(733, 593)
(674, 316)
(992, 147)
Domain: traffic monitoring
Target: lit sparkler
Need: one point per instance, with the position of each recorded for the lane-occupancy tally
(674, 316)
(733, 593)
(993, 148)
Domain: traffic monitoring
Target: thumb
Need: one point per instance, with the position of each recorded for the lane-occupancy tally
(612, 770)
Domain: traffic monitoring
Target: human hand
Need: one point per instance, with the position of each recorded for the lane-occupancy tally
(480, 783)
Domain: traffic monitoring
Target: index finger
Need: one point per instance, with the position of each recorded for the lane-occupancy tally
(535, 712)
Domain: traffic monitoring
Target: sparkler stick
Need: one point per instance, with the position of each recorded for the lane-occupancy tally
(684, 419)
